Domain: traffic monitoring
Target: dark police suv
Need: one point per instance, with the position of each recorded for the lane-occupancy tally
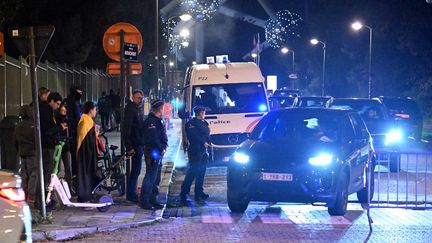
(307, 155)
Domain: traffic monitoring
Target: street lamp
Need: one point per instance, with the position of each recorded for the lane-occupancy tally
(184, 33)
(358, 26)
(285, 50)
(315, 42)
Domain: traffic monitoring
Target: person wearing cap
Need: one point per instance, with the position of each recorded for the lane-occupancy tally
(198, 136)
(155, 145)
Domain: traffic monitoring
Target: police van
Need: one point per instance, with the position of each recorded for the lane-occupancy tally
(235, 99)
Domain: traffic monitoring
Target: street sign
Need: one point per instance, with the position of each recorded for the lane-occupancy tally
(293, 76)
(113, 68)
(111, 39)
(130, 52)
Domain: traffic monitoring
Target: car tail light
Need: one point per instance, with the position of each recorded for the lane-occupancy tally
(404, 116)
(13, 194)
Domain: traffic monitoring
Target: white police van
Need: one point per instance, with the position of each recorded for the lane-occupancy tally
(235, 99)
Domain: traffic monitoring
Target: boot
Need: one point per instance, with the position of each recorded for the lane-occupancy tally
(202, 196)
(145, 204)
(156, 204)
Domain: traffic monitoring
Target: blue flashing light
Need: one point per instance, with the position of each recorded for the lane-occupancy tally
(155, 154)
(394, 136)
(241, 158)
(262, 107)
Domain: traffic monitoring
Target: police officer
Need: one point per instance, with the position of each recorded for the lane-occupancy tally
(198, 135)
(155, 145)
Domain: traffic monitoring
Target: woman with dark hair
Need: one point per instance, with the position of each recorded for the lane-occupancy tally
(87, 153)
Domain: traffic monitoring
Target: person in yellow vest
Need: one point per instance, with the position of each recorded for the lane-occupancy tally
(87, 153)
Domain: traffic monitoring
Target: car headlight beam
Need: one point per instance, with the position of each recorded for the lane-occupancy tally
(394, 136)
(321, 160)
(241, 158)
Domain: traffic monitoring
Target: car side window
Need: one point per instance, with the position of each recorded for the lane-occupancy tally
(359, 126)
(348, 130)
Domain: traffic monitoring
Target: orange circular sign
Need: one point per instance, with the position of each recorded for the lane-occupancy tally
(111, 39)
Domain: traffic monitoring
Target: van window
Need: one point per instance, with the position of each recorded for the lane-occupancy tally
(230, 98)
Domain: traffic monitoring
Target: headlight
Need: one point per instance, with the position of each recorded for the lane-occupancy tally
(241, 158)
(321, 160)
(394, 136)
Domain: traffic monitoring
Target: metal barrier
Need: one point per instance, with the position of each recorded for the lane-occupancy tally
(401, 180)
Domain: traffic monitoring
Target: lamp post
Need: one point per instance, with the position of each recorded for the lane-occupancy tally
(357, 26)
(285, 50)
(315, 42)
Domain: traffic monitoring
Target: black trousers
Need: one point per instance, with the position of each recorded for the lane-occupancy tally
(197, 170)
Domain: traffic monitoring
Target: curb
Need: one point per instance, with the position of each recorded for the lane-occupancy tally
(71, 233)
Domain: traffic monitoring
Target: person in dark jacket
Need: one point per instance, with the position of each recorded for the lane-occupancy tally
(74, 115)
(198, 135)
(61, 118)
(87, 153)
(105, 109)
(155, 145)
(50, 132)
(116, 104)
(133, 137)
(25, 141)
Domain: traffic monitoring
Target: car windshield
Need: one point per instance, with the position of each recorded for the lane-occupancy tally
(230, 98)
(401, 106)
(369, 110)
(298, 128)
(312, 102)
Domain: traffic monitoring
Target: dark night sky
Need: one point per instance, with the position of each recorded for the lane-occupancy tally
(402, 47)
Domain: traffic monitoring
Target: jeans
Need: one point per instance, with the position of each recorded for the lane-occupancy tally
(150, 184)
(134, 173)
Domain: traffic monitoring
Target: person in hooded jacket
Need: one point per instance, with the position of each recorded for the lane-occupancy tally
(25, 142)
(61, 118)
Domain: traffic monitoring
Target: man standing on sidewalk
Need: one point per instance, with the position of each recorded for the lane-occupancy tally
(133, 136)
(155, 145)
(198, 135)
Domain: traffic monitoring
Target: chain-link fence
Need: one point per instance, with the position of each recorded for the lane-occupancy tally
(15, 85)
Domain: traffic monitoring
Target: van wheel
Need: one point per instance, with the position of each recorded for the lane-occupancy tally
(340, 206)
(237, 201)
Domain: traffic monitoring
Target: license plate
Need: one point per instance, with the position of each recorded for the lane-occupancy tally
(276, 177)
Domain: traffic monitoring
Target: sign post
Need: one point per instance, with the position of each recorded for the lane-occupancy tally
(32, 42)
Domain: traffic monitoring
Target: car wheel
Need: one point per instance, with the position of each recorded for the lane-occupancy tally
(237, 201)
(394, 162)
(362, 195)
(340, 206)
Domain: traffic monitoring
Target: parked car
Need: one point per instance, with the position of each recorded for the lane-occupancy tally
(287, 92)
(405, 110)
(280, 102)
(306, 155)
(15, 216)
(388, 135)
(310, 101)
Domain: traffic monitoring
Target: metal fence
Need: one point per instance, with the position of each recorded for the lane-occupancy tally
(403, 180)
(15, 86)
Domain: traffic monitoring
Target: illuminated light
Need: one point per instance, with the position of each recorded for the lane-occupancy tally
(194, 63)
(171, 64)
(321, 160)
(356, 25)
(16, 195)
(284, 50)
(8, 231)
(185, 17)
(262, 107)
(164, 56)
(254, 55)
(184, 33)
(185, 43)
(241, 158)
(201, 10)
(286, 26)
(155, 154)
(314, 41)
(394, 136)
(405, 116)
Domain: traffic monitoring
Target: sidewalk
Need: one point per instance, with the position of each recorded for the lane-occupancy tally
(71, 223)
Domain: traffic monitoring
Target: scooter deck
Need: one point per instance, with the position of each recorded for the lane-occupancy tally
(88, 205)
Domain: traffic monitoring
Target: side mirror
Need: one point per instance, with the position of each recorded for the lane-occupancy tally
(183, 114)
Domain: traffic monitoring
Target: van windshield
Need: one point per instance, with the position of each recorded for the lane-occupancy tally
(230, 98)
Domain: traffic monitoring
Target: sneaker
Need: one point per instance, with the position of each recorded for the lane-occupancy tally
(201, 196)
